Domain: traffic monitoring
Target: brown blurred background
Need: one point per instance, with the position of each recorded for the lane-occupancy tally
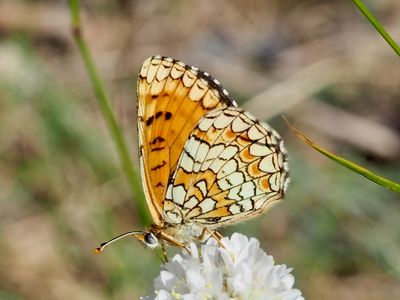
(320, 63)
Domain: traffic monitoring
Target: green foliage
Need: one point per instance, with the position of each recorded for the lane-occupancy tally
(374, 22)
(347, 163)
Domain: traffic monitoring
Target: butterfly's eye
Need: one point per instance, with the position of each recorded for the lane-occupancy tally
(150, 240)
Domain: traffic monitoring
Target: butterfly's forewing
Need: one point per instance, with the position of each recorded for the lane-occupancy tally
(231, 167)
(172, 98)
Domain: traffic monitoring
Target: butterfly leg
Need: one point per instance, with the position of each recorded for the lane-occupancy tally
(202, 235)
(219, 235)
(215, 234)
(170, 240)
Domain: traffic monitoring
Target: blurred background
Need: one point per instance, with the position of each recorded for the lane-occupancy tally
(320, 63)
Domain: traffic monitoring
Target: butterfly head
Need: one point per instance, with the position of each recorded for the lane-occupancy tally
(149, 239)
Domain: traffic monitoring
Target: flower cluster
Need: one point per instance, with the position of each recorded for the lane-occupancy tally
(239, 270)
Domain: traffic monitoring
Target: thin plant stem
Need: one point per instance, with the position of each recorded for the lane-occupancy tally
(394, 186)
(366, 12)
(105, 107)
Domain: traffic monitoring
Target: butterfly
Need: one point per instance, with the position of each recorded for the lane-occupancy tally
(204, 162)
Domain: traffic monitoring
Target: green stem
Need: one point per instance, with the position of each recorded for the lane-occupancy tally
(365, 11)
(105, 107)
(394, 186)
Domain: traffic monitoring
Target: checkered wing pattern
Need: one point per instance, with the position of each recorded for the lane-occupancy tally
(231, 167)
(172, 98)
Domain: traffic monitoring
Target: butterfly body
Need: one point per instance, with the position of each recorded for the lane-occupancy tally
(179, 234)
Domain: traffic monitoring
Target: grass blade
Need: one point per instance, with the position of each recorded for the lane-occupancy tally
(370, 17)
(105, 107)
(347, 163)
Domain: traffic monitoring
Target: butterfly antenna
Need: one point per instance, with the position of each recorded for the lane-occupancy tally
(103, 245)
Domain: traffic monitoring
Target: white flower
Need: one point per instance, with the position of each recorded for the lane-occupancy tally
(239, 270)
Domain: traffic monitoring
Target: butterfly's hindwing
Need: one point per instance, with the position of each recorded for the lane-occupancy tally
(232, 166)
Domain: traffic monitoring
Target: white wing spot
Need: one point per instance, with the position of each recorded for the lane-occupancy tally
(246, 204)
(164, 70)
(205, 124)
(234, 193)
(168, 195)
(217, 165)
(239, 125)
(178, 194)
(229, 152)
(202, 185)
(214, 113)
(214, 152)
(177, 71)
(247, 190)
(234, 209)
(202, 152)
(230, 167)
(274, 181)
(192, 202)
(223, 121)
(234, 179)
(186, 162)
(188, 80)
(207, 205)
(266, 164)
(196, 166)
(151, 73)
(196, 93)
(192, 146)
(254, 134)
(259, 150)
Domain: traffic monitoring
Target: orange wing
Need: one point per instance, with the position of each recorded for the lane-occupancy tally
(172, 98)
